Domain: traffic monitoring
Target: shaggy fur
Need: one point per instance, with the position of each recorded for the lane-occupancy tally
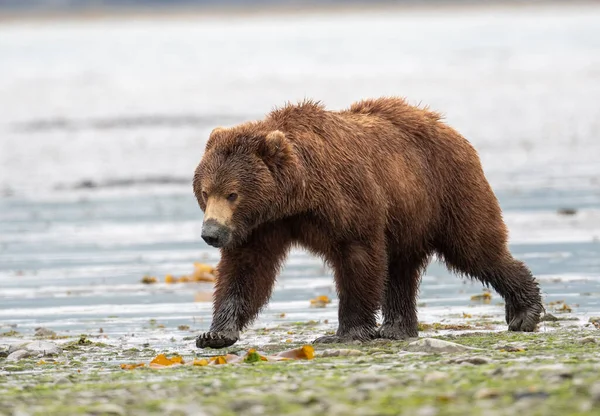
(375, 190)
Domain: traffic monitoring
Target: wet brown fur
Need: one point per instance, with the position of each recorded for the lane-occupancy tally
(375, 190)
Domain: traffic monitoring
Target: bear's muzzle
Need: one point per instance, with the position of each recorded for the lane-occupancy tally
(215, 234)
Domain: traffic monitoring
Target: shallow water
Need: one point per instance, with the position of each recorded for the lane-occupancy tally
(128, 105)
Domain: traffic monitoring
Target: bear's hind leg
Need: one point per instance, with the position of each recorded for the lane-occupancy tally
(507, 276)
(359, 270)
(400, 299)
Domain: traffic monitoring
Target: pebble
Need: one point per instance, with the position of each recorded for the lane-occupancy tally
(44, 332)
(43, 347)
(511, 347)
(381, 341)
(378, 351)
(470, 360)
(341, 353)
(531, 395)
(549, 318)
(595, 392)
(18, 355)
(427, 411)
(370, 378)
(240, 405)
(567, 211)
(486, 393)
(435, 376)
(107, 409)
(16, 347)
(432, 345)
(339, 409)
(587, 340)
(62, 381)
(192, 409)
(38, 348)
(557, 368)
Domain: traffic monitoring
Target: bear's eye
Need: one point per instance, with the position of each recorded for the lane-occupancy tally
(232, 197)
(204, 195)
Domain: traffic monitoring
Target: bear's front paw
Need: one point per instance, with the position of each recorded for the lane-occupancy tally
(214, 339)
(396, 332)
(523, 319)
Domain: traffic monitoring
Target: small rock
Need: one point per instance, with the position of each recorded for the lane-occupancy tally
(339, 409)
(370, 378)
(511, 348)
(107, 409)
(341, 353)
(549, 318)
(595, 392)
(18, 355)
(376, 351)
(553, 368)
(62, 381)
(564, 375)
(16, 347)
(433, 345)
(369, 386)
(435, 376)
(44, 348)
(240, 405)
(587, 340)
(44, 333)
(470, 360)
(21, 412)
(486, 394)
(531, 395)
(427, 411)
(172, 409)
(4, 351)
(567, 211)
(382, 342)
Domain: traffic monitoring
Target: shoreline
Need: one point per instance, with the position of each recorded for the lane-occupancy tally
(452, 372)
(182, 12)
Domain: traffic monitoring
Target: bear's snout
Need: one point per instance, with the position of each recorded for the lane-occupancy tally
(215, 234)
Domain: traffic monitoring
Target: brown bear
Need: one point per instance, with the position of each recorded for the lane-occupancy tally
(375, 190)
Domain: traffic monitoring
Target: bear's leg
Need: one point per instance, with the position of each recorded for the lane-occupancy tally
(245, 280)
(359, 271)
(507, 276)
(400, 299)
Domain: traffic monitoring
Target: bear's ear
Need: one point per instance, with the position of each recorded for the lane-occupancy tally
(214, 135)
(275, 149)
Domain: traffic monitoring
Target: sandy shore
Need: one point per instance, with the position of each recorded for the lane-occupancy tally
(448, 371)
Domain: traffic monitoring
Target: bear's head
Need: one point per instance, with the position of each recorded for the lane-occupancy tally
(242, 181)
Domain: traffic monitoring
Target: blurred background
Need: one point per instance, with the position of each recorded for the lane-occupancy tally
(105, 108)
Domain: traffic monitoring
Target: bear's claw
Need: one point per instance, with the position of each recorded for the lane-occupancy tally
(216, 339)
(524, 319)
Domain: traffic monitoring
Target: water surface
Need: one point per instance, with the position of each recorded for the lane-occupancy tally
(103, 123)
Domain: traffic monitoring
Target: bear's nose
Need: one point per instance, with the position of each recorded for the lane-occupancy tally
(214, 233)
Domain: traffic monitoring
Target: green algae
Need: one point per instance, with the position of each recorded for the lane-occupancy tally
(545, 373)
